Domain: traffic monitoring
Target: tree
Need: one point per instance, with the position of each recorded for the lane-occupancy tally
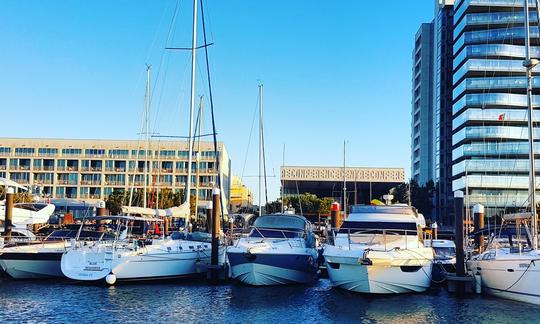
(421, 196)
(310, 204)
(115, 201)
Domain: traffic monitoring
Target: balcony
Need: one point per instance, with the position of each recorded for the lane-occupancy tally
(90, 182)
(115, 183)
(23, 167)
(3, 167)
(66, 182)
(43, 181)
(21, 181)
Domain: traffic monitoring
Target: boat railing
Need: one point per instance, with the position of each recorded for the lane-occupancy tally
(17, 241)
(274, 233)
(374, 233)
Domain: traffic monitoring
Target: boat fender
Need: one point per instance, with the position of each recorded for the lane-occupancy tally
(110, 279)
(477, 283)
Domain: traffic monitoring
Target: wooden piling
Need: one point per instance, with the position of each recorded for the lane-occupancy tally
(100, 212)
(8, 218)
(478, 213)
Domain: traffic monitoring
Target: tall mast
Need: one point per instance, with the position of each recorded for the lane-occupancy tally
(146, 132)
(282, 182)
(191, 110)
(344, 183)
(260, 146)
(529, 64)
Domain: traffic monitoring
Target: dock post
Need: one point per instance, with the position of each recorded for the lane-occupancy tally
(214, 271)
(8, 221)
(478, 213)
(460, 253)
(335, 216)
(100, 212)
(209, 217)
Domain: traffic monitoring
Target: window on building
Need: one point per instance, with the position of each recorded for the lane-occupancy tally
(94, 152)
(45, 151)
(71, 151)
(24, 151)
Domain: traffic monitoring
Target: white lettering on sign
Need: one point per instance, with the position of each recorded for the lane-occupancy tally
(336, 174)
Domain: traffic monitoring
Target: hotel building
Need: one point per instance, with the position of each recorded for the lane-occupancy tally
(91, 170)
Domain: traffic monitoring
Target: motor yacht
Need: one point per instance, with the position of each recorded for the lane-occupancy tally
(379, 250)
(280, 249)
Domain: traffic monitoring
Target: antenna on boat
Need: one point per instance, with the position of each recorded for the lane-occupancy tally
(529, 64)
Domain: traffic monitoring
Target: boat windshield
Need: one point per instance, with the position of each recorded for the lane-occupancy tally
(276, 226)
(445, 252)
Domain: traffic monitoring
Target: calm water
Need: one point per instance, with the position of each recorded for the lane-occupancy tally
(196, 302)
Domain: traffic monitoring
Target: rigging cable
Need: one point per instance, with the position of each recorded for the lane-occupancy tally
(218, 177)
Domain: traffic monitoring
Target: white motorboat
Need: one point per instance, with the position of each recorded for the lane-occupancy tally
(41, 259)
(132, 259)
(280, 249)
(445, 258)
(379, 250)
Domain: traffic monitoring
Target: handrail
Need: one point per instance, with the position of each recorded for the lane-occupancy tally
(356, 232)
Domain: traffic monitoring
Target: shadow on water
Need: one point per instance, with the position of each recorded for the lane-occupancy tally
(193, 300)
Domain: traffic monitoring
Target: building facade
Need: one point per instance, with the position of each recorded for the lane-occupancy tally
(431, 140)
(442, 115)
(91, 170)
(490, 155)
(361, 184)
(422, 111)
(241, 196)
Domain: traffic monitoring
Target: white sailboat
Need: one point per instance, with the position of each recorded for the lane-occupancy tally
(159, 258)
(512, 270)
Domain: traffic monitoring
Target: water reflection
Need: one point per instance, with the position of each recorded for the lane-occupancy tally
(195, 301)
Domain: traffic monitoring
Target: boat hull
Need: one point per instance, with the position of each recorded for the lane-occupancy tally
(150, 263)
(517, 280)
(382, 273)
(266, 269)
(31, 265)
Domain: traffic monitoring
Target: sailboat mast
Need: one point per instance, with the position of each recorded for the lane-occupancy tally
(260, 146)
(191, 110)
(146, 132)
(283, 182)
(344, 183)
(529, 64)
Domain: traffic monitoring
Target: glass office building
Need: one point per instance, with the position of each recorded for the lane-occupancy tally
(422, 112)
(490, 149)
(431, 136)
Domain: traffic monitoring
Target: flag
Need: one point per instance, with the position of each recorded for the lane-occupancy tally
(502, 116)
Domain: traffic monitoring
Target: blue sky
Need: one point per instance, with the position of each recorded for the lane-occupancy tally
(332, 70)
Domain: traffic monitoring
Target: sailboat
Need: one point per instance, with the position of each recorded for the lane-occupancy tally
(512, 270)
(158, 258)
